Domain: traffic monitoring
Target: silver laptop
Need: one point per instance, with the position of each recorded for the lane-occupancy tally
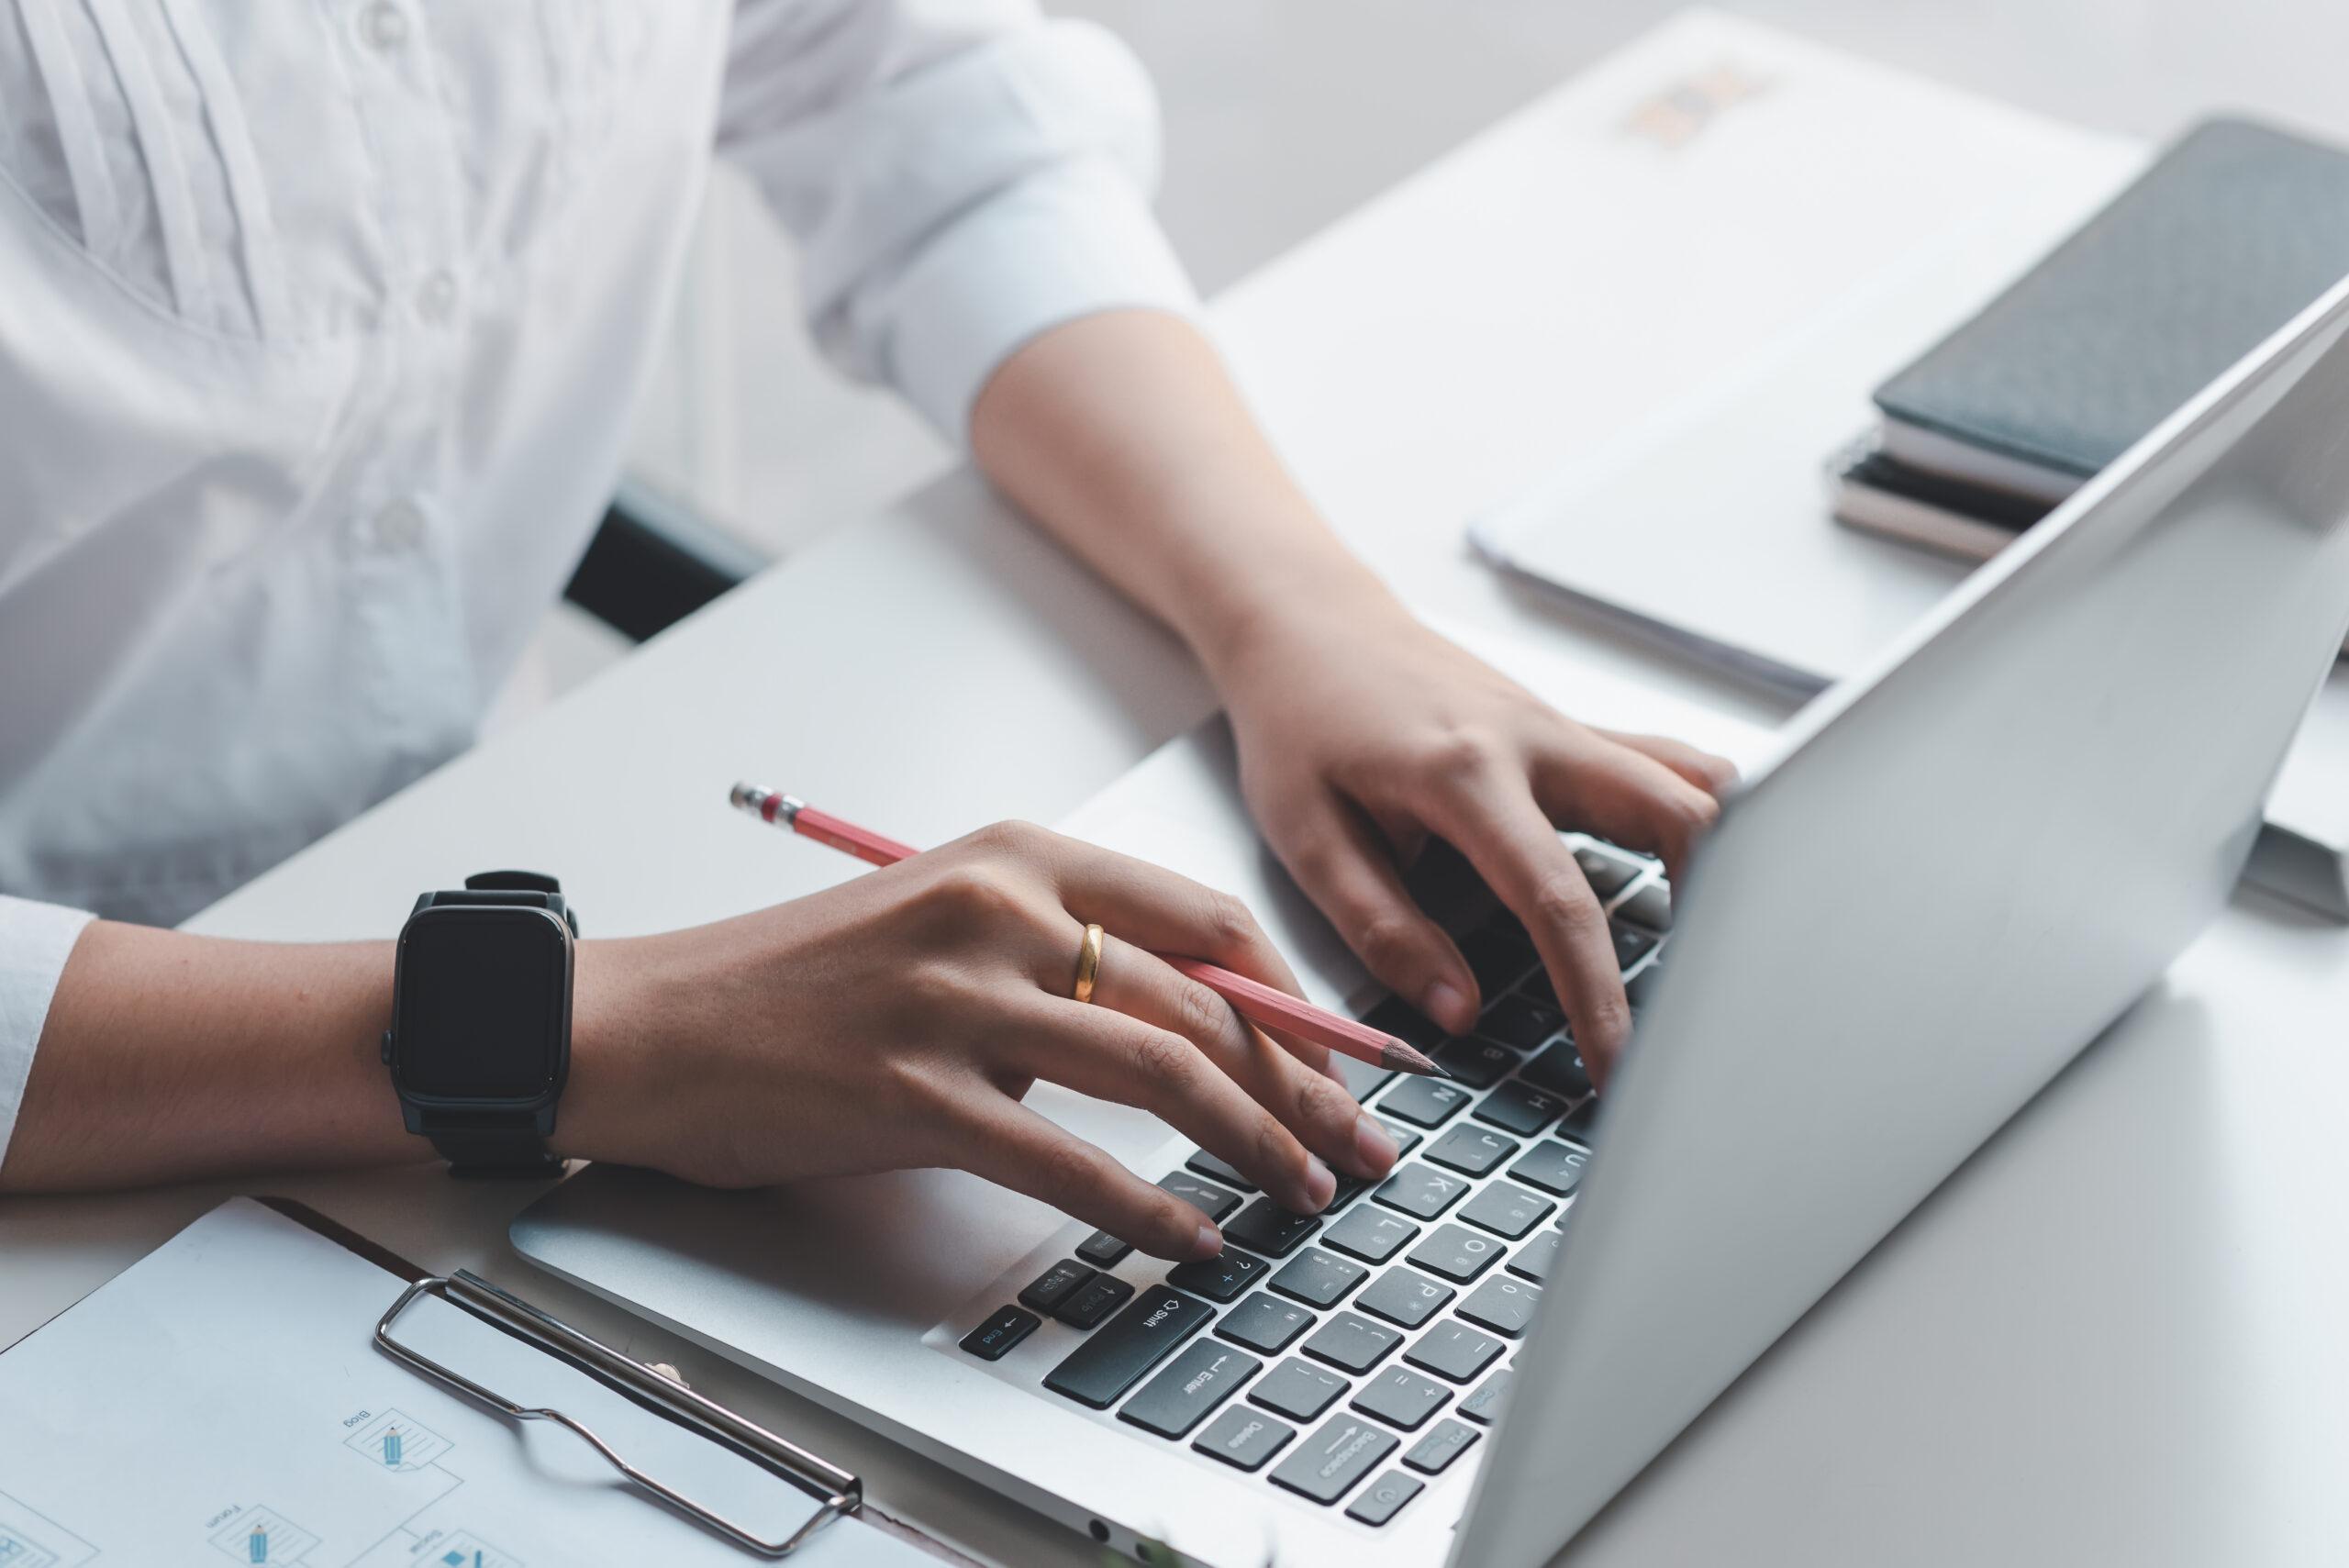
(1959, 867)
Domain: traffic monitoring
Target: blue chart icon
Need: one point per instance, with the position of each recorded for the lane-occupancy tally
(393, 1439)
(263, 1535)
(466, 1549)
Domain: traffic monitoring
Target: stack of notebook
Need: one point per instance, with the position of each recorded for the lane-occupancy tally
(2224, 239)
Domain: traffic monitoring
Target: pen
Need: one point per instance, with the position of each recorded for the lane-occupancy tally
(1252, 999)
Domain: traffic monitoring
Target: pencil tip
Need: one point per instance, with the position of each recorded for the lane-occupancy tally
(1409, 1059)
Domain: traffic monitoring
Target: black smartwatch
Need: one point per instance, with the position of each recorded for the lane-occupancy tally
(480, 1041)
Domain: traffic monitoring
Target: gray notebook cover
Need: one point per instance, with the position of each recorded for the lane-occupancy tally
(2221, 242)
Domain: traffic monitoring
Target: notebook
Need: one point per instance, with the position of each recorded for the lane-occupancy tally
(2231, 232)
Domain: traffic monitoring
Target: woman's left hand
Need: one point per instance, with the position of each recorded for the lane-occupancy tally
(1362, 734)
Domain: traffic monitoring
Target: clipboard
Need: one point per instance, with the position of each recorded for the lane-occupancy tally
(56, 1509)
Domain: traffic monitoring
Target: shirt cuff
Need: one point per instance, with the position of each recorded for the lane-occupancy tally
(35, 941)
(1069, 240)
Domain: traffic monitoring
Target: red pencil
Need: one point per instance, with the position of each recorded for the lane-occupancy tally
(1252, 999)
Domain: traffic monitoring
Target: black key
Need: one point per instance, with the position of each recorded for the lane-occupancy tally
(1537, 987)
(1265, 1227)
(1347, 1189)
(1608, 874)
(1264, 1323)
(1401, 1398)
(1519, 1024)
(991, 1339)
(1361, 1080)
(1219, 1278)
(1485, 1404)
(1417, 1190)
(1092, 1301)
(1520, 1108)
(1103, 1250)
(1401, 1296)
(1476, 1063)
(1138, 1339)
(1639, 990)
(1454, 1351)
(1538, 1257)
(1056, 1285)
(1406, 1138)
(1503, 1304)
(1297, 1390)
(1582, 1123)
(1401, 1020)
(1352, 1342)
(1554, 1166)
(1631, 944)
(1498, 953)
(1190, 1388)
(1424, 1102)
(1446, 1441)
(1371, 1234)
(1456, 1253)
(1216, 1170)
(1560, 1071)
(1327, 1465)
(1213, 1201)
(1650, 907)
(1384, 1498)
(1506, 1210)
(1318, 1278)
(1245, 1438)
(1471, 1150)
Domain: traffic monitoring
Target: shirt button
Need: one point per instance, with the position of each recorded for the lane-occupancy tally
(399, 526)
(437, 297)
(384, 25)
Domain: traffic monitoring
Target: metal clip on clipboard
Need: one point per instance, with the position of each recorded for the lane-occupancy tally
(838, 1492)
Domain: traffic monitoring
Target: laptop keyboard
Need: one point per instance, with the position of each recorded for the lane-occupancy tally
(1357, 1352)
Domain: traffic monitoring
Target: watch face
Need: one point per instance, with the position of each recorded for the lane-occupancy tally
(481, 1004)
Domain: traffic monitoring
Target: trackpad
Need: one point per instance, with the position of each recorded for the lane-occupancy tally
(906, 1247)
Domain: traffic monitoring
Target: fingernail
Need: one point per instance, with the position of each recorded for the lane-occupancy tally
(1447, 1005)
(1320, 1186)
(1372, 1146)
(1209, 1243)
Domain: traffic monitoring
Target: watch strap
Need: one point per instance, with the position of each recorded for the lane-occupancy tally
(483, 1148)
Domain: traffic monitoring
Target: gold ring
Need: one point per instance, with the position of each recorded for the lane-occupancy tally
(1088, 962)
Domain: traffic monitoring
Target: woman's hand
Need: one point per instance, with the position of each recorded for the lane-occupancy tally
(1362, 734)
(896, 1021)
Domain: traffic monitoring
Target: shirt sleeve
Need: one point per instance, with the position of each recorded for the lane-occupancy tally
(961, 175)
(35, 941)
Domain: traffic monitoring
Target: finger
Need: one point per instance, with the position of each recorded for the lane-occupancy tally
(1628, 797)
(1715, 775)
(1336, 860)
(1491, 818)
(1007, 1143)
(1312, 1110)
(1157, 908)
(1111, 1056)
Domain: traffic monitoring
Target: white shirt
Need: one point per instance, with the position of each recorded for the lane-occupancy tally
(321, 324)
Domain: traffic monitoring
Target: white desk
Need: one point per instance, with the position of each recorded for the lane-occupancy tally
(2113, 1336)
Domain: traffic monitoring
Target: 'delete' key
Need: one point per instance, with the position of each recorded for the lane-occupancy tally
(1130, 1344)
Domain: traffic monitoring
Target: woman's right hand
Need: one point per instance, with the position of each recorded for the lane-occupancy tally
(898, 1021)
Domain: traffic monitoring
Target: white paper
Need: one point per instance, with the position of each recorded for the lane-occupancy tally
(223, 1400)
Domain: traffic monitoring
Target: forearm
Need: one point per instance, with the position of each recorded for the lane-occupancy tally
(167, 1056)
(1123, 435)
